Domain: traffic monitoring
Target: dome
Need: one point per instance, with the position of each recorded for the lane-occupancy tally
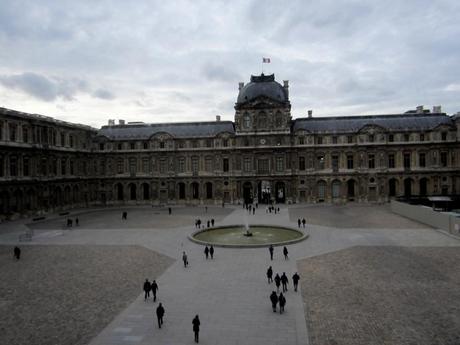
(263, 85)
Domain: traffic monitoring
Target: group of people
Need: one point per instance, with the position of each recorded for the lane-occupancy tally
(250, 208)
(301, 221)
(271, 249)
(209, 251)
(209, 223)
(280, 281)
(271, 209)
(70, 222)
(153, 286)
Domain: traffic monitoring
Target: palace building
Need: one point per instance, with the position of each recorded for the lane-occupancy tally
(262, 156)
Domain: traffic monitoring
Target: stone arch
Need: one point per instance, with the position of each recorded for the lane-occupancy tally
(67, 195)
(132, 188)
(423, 186)
(119, 192)
(195, 190)
(321, 190)
(4, 202)
(76, 194)
(145, 191)
(351, 189)
(392, 187)
(209, 190)
(408, 187)
(181, 190)
(335, 189)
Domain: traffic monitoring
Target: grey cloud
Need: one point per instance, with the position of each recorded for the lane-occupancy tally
(103, 94)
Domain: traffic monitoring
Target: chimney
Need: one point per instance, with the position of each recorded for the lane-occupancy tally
(111, 122)
(121, 122)
(437, 109)
(240, 86)
(286, 87)
(310, 114)
(218, 118)
(419, 109)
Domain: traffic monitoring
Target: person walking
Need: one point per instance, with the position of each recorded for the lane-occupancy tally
(212, 222)
(209, 223)
(295, 279)
(271, 250)
(160, 314)
(274, 300)
(17, 252)
(285, 252)
(282, 301)
(154, 289)
(277, 282)
(211, 252)
(76, 221)
(303, 222)
(284, 281)
(206, 252)
(146, 289)
(196, 328)
(185, 259)
(270, 275)
(298, 222)
(169, 210)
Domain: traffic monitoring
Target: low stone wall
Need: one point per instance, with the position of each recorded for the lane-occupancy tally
(423, 214)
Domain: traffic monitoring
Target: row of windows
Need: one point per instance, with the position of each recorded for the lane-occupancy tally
(372, 138)
(162, 144)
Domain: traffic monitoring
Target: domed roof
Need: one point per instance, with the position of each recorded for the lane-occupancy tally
(263, 85)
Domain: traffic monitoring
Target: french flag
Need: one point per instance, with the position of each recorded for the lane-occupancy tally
(265, 60)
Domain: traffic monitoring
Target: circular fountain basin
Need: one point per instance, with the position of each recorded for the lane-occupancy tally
(235, 236)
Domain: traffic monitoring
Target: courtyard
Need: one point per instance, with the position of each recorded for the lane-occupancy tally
(367, 277)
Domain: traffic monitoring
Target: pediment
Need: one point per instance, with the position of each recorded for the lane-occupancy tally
(161, 136)
(372, 129)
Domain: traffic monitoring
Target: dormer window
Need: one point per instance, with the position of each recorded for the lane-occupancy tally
(319, 140)
(246, 121)
(132, 146)
(444, 136)
(334, 139)
(162, 144)
(371, 138)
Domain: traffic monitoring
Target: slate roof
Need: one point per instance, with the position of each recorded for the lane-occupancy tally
(263, 85)
(177, 130)
(349, 124)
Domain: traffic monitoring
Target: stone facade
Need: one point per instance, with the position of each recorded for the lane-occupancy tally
(263, 156)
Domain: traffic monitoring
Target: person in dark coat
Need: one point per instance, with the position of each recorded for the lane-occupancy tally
(285, 252)
(212, 222)
(295, 279)
(277, 282)
(17, 252)
(270, 275)
(124, 215)
(185, 259)
(206, 252)
(284, 281)
(271, 250)
(303, 222)
(160, 314)
(209, 223)
(282, 301)
(196, 328)
(169, 210)
(274, 300)
(211, 251)
(76, 221)
(298, 222)
(147, 288)
(154, 289)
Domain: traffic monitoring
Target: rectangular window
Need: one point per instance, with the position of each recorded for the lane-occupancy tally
(406, 137)
(208, 164)
(120, 146)
(443, 136)
(71, 166)
(1, 131)
(301, 163)
(349, 139)
(301, 141)
(262, 166)
(225, 143)
(26, 166)
(349, 161)
(132, 165)
(71, 140)
(371, 161)
(391, 161)
(209, 143)
(335, 163)
(13, 166)
(407, 160)
(63, 166)
(391, 138)
(422, 137)
(320, 160)
(195, 164)
(12, 133)
(145, 165)
(279, 164)
(163, 165)
(334, 140)
(101, 147)
(25, 135)
(120, 166)
(162, 144)
(146, 145)
(181, 164)
(225, 164)
(247, 164)
(62, 139)
(132, 146)
(443, 159)
(319, 140)
(421, 160)
(371, 138)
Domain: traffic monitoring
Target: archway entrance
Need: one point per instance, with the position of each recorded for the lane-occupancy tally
(351, 189)
(407, 187)
(208, 190)
(423, 186)
(392, 186)
(264, 192)
(280, 192)
(247, 193)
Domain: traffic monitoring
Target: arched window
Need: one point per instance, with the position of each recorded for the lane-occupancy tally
(246, 121)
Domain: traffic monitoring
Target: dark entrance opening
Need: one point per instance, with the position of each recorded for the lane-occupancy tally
(280, 192)
(392, 187)
(181, 190)
(407, 187)
(208, 190)
(351, 190)
(247, 193)
(264, 192)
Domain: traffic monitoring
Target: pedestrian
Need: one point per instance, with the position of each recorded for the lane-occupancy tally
(154, 289)
(160, 314)
(277, 282)
(295, 279)
(303, 222)
(206, 252)
(274, 300)
(185, 259)
(211, 251)
(212, 222)
(282, 301)
(196, 328)
(147, 287)
(124, 215)
(209, 223)
(196, 223)
(254, 211)
(270, 275)
(76, 221)
(298, 222)
(284, 281)
(271, 249)
(17, 252)
(199, 223)
(285, 252)
(169, 210)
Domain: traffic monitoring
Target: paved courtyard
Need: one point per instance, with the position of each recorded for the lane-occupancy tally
(230, 293)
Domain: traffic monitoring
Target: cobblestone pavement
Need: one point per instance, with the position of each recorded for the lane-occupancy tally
(229, 293)
(383, 295)
(353, 216)
(64, 295)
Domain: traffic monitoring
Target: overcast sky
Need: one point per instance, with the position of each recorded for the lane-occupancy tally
(159, 61)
